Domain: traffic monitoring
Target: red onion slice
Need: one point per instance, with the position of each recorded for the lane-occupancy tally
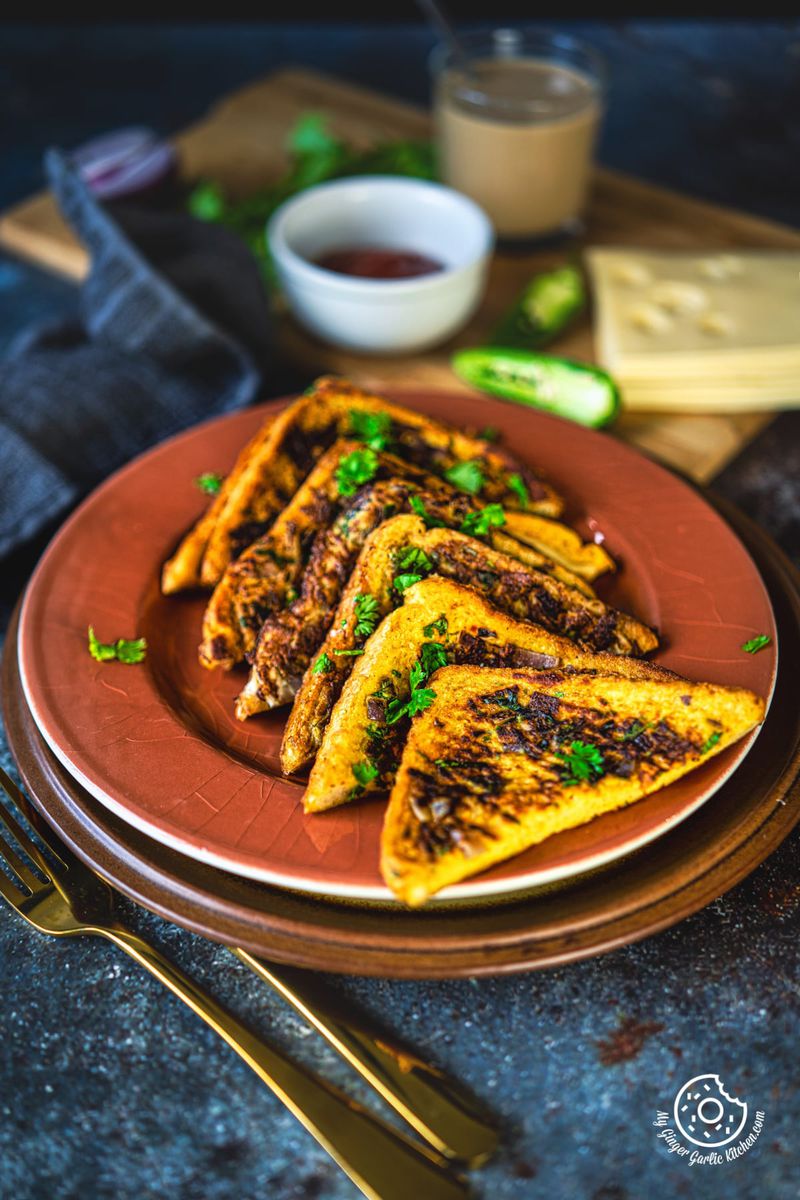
(124, 163)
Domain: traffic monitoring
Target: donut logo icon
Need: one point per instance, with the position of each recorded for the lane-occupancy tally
(706, 1115)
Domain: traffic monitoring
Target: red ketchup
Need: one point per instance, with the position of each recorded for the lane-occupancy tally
(378, 262)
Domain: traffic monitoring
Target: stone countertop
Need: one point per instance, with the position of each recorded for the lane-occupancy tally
(110, 1088)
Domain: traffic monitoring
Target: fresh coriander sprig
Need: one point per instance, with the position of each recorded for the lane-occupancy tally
(478, 524)
(468, 476)
(367, 615)
(123, 650)
(438, 626)
(412, 558)
(402, 582)
(373, 429)
(322, 665)
(757, 643)
(583, 761)
(355, 469)
(516, 484)
(711, 742)
(365, 772)
(419, 508)
(210, 482)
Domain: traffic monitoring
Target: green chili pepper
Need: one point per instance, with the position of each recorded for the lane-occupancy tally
(557, 385)
(547, 305)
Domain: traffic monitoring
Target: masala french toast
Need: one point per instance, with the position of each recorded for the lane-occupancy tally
(440, 622)
(502, 759)
(276, 460)
(289, 639)
(509, 574)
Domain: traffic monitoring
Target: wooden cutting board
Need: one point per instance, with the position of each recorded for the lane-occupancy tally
(240, 143)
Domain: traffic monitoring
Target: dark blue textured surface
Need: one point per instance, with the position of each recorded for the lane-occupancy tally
(108, 1087)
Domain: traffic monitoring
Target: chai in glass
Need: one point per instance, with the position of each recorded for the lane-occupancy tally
(516, 125)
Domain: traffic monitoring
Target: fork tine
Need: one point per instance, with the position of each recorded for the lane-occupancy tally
(11, 892)
(18, 865)
(24, 839)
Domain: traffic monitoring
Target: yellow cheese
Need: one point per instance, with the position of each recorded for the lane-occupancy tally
(699, 332)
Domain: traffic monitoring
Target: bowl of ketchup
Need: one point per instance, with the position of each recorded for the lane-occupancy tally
(381, 264)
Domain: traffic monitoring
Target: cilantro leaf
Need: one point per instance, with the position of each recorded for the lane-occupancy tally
(516, 484)
(367, 615)
(373, 429)
(490, 434)
(757, 643)
(421, 698)
(421, 511)
(438, 626)
(711, 742)
(354, 470)
(401, 582)
(123, 650)
(310, 135)
(101, 651)
(468, 476)
(413, 558)
(479, 523)
(432, 656)
(133, 651)
(583, 761)
(210, 482)
(322, 664)
(417, 675)
(349, 653)
(365, 772)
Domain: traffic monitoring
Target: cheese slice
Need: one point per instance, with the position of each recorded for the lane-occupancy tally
(699, 332)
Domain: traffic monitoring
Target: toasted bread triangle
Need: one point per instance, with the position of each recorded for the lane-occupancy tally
(473, 631)
(503, 759)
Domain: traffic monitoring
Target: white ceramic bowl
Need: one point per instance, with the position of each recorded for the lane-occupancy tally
(382, 315)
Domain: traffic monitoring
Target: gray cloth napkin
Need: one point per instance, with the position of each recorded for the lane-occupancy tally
(174, 327)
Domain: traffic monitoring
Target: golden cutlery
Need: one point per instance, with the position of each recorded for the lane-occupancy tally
(437, 1107)
(58, 895)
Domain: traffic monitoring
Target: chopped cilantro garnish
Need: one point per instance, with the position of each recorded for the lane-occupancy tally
(401, 582)
(365, 772)
(349, 653)
(210, 482)
(412, 558)
(438, 626)
(354, 470)
(516, 484)
(583, 761)
(468, 476)
(757, 643)
(367, 615)
(322, 664)
(373, 429)
(122, 649)
(419, 508)
(711, 742)
(479, 523)
(636, 728)
(432, 656)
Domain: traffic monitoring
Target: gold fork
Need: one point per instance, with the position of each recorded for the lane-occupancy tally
(63, 897)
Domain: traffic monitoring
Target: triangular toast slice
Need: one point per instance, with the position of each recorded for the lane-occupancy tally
(439, 621)
(503, 759)
(404, 543)
(276, 460)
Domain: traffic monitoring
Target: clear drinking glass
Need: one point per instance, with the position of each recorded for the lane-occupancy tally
(516, 125)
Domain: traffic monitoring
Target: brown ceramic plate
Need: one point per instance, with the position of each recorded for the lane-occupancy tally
(668, 879)
(158, 743)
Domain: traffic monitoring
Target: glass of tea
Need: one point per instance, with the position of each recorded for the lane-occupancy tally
(517, 114)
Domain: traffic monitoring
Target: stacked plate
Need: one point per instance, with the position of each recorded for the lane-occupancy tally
(149, 777)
